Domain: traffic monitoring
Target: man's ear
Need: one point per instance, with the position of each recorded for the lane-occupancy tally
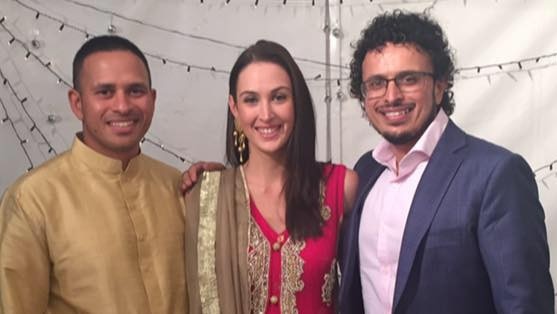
(439, 90)
(76, 105)
(154, 95)
(232, 106)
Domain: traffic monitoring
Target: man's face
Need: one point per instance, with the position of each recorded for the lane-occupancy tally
(401, 117)
(114, 102)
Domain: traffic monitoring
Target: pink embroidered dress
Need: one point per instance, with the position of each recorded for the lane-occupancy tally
(288, 276)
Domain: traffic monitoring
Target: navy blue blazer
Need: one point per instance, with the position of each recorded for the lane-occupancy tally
(474, 242)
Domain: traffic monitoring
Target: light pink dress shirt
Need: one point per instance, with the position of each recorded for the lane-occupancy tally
(384, 216)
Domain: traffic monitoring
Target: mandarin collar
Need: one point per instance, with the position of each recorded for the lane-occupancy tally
(91, 159)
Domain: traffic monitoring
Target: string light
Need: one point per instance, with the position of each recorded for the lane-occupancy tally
(151, 55)
(547, 166)
(512, 66)
(46, 65)
(17, 135)
(163, 148)
(478, 69)
(551, 172)
(164, 29)
(22, 101)
(430, 8)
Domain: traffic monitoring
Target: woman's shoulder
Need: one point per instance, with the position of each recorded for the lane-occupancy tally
(333, 171)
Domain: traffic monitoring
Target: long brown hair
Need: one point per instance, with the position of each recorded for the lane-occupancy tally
(302, 188)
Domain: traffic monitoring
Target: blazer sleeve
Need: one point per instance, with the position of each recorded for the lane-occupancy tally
(24, 261)
(513, 240)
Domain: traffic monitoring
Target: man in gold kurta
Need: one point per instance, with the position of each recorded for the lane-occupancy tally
(100, 228)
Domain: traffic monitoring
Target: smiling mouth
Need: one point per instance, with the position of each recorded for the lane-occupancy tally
(268, 132)
(121, 124)
(398, 113)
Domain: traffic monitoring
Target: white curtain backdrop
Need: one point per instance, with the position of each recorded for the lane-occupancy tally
(505, 91)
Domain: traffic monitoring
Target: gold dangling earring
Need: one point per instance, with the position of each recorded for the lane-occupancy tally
(239, 142)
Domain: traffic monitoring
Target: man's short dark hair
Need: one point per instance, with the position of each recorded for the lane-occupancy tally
(416, 29)
(101, 44)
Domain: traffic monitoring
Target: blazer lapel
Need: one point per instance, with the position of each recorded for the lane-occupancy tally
(354, 226)
(443, 165)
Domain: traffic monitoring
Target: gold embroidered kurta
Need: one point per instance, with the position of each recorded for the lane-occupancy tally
(81, 235)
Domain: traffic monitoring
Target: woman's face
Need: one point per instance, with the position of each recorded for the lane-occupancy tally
(264, 107)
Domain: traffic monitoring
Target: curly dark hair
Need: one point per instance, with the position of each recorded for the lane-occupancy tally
(399, 27)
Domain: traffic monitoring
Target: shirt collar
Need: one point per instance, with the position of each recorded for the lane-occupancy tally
(383, 152)
(92, 159)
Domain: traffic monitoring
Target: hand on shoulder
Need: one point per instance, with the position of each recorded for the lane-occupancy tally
(192, 174)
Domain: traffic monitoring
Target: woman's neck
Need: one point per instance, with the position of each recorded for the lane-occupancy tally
(264, 172)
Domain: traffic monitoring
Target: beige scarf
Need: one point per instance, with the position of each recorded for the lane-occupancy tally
(216, 244)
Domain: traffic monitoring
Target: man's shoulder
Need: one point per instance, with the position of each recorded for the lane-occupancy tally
(45, 174)
(484, 156)
(366, 162)
(487, 152)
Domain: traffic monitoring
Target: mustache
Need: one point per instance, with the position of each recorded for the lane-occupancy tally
(396, 103)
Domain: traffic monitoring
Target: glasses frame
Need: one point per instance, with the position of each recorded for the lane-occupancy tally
(396, 79)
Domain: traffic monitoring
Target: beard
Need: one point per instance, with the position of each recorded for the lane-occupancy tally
(410, 136)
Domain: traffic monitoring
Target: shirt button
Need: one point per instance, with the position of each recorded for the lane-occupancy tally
(274, 299)
(276, 246)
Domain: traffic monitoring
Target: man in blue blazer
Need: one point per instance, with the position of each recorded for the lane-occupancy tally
(444, 222)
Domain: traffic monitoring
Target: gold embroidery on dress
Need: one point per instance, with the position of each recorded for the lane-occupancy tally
(292, 270)
(329, 285)
(325, 210)
(259, 258)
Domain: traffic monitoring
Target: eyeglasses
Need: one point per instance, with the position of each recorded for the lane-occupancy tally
(406, 82)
